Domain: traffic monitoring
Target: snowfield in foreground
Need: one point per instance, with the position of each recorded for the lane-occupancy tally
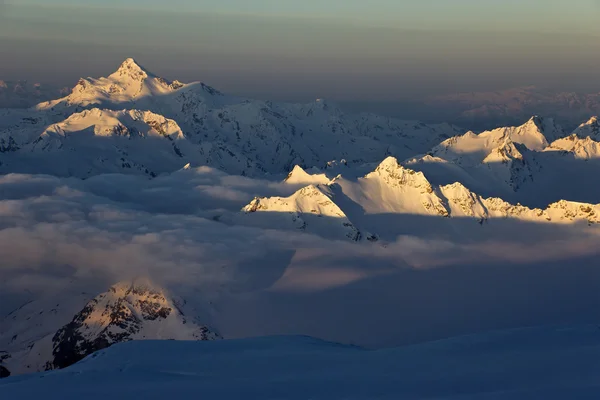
(537, 363)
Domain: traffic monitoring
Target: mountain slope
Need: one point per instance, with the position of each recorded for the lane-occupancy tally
(104, 141)
(298, 176)
(392, 200)
(310, 209)
(590, 128)
(580, 148)
(127, 311)
(519, 164)
(498, 156)
(130, 82)
(534, 363)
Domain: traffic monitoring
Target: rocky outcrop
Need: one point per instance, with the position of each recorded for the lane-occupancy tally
(128, 311)
(135, 310)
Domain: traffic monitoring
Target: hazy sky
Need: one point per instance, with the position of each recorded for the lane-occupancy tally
(292, 50)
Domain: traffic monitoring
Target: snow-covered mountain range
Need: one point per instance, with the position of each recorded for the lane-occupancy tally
(237, 135)
(349, 208)
(135, 122)
(244, 205)
(535, 164)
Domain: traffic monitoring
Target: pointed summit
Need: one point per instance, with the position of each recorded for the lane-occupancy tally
(129, 64)
(394, 174)
(299, 176)
(546, 127)
(130, 68)
(537, 121)
(591, 129)
(310, 209)
(540, 124)
(389, 163)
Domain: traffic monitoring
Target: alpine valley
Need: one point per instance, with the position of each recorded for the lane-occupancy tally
(138, 208)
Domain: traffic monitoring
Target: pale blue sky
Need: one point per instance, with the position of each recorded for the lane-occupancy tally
(291, 49)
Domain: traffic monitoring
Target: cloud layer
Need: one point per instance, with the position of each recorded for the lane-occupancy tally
(61, 236)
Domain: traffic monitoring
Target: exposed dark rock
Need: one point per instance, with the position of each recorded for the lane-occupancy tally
(118, 315)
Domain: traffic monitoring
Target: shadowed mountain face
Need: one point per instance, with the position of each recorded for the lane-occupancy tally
(127, 311)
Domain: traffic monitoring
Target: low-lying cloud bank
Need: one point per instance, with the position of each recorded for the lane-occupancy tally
(62, 236)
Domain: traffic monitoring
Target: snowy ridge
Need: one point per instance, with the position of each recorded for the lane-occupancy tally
(591, 129)
(496, 155)
(456, 200)
(107, 123)
(236, 135)
(127, 84)
(543, 363)
(127, 311)
(512, 162)
(535, 134)
(581, 148)
(463, 202)
(394, 188)
(397, 190)
(298, 176)
(309, 209)
(519, 164)
(107, 141)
